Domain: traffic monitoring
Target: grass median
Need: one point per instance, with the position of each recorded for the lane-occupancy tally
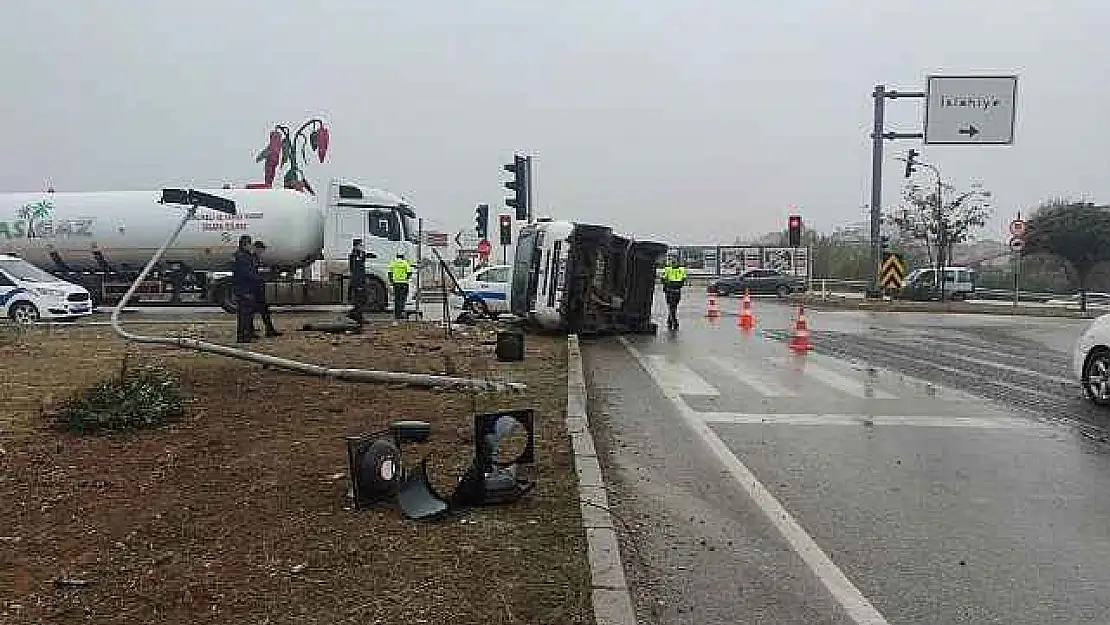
(238, 511)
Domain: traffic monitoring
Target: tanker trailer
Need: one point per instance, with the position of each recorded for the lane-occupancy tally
(101, 240)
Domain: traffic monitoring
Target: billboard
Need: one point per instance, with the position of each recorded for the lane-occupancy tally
(724, 260)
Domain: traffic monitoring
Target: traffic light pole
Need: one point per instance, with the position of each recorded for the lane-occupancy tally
(878, 135)
(530, 186)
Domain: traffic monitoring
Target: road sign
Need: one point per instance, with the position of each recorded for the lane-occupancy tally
(436, 239)
(1017, 228)
(892, 273)
(970, 110)
(1017, 243)
(483, 247)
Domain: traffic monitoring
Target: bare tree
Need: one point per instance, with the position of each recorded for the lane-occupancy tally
(941, 218)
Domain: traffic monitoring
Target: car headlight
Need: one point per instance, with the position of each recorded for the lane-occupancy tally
(44, 292)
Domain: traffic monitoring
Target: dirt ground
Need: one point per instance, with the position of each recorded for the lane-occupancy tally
(239, 513)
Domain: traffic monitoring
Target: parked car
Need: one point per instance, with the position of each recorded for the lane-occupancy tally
(28, 294)
(485, 293)
(758, 282)
(1091, 361)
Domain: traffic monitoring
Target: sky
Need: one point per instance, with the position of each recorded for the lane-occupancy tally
(689, 122)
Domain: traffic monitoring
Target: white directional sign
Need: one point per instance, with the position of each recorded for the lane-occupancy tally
(970, 110)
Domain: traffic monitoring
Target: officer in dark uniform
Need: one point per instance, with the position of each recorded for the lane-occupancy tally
(244, 275)
(359, 295)
(260, 305)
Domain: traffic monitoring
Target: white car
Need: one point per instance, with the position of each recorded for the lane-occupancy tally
(1091, 360)
(28, 294)
(485, 292)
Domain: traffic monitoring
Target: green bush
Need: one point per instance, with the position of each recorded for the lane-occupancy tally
(138, 398)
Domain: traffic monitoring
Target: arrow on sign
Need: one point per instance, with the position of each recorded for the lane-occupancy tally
(458, 236)
(970, 131)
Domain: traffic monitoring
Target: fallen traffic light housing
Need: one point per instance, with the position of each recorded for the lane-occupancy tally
(496, 474)
(493, 476)
(374, 462)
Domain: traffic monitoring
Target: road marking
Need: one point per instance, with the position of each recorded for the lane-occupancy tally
(862, 387)
(677, 378)
(742, 418)
(760, 381)
(839, 586)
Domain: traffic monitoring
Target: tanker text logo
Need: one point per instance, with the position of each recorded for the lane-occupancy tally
(35, 220)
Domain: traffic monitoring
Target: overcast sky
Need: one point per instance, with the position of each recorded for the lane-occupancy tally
(691, 121)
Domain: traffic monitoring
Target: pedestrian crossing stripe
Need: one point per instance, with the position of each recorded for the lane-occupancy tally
(783, 378)
(775, 391)
(892, 271)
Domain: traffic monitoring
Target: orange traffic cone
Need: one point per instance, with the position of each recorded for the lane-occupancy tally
(746, 320)
(713, 311)
(799, 342)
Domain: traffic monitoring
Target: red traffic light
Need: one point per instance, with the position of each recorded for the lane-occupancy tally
(795, 221)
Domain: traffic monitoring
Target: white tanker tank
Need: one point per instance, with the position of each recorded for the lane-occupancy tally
(96, 238)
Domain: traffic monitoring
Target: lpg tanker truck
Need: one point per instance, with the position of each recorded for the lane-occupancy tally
(102, 240)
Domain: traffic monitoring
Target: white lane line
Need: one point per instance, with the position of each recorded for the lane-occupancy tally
(862, 387)
(839, 586)
(677, 378)
(762, 382)
(743, 418)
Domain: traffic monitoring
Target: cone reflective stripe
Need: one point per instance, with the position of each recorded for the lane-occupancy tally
(746, 320)
(799, 342)
(713, 310)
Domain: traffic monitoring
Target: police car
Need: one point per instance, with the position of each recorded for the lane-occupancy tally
(485, 292)
(28, 294)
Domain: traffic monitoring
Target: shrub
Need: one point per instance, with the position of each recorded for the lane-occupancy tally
(138, 398)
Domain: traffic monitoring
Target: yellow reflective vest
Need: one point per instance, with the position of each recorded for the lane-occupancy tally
(674, 274)
(399, 270)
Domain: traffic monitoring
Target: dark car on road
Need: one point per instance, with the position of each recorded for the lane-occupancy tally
(758, 282)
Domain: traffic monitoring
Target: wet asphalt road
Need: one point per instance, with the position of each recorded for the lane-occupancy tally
(913, 468)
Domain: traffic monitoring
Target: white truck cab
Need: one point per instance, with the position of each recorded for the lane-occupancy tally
(28, 294)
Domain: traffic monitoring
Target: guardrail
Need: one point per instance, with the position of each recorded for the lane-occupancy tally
(859, 286)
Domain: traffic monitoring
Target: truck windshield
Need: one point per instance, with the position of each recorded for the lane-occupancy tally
(24, 271)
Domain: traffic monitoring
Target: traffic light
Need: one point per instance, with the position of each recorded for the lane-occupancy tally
(506, 229)
(481, 221)
(518, 201)
(911, 162)
(795, 230)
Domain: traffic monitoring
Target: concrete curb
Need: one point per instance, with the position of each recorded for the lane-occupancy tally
(611, 597)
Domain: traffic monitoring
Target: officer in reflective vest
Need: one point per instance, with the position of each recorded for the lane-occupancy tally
(674, 278)
(399, 271)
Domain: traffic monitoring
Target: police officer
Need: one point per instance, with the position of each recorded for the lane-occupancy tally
(399, 271)
(674, 278)
(356, 262)
(260, 305)
(244, 275)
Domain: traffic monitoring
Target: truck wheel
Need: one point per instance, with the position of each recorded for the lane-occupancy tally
(23, 313)
(379, 297)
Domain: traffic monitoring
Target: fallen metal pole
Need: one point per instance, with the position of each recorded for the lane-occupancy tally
(354, 375)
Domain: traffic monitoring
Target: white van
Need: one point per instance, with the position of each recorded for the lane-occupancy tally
(924, 284)
(28, 293)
